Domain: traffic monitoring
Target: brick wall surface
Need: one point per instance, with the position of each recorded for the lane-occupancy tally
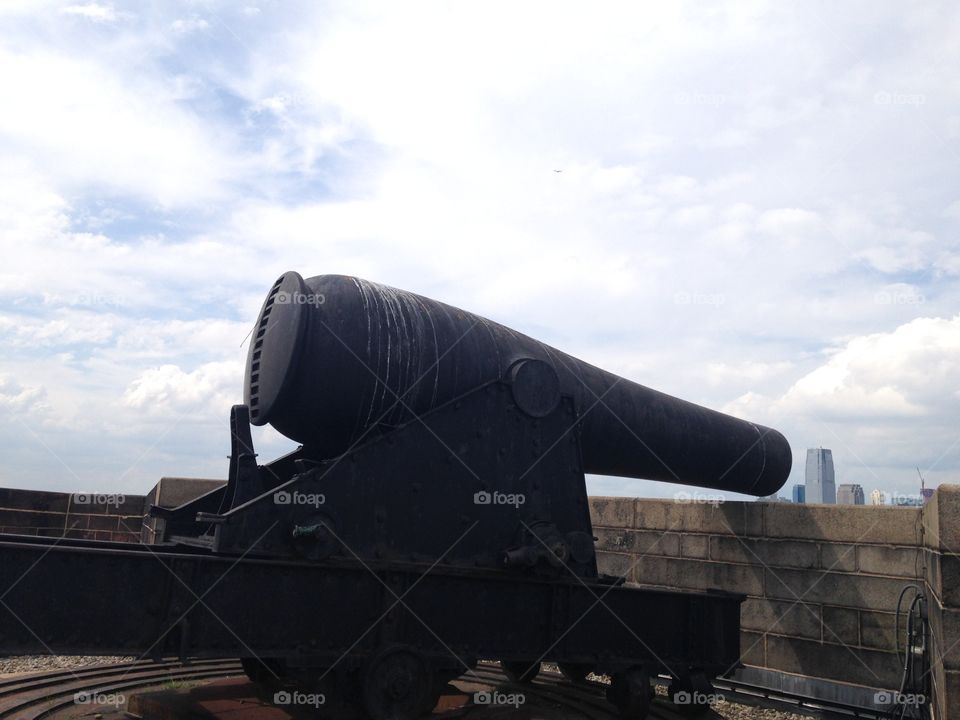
(89, 517)
(114, 517)
(822, 580)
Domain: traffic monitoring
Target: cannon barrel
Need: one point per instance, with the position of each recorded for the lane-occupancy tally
(334, 357)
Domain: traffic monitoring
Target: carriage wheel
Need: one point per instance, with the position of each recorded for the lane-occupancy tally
(575, 672)
(398, 685)
(691, 694)
(520, 671)
(268, 673)
(630, 692)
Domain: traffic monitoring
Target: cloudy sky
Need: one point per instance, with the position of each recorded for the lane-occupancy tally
(751, 206)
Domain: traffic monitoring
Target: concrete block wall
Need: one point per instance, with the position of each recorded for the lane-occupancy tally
(173, 492)
(822, 580)
(53, 514)
(116, 517)
(941, 528)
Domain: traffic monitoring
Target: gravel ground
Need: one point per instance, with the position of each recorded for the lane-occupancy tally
(736, 711)
(37, 663)
(723, 708)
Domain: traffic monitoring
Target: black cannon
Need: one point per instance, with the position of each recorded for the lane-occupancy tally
(350, 368)
(435, 513)
(335, 359)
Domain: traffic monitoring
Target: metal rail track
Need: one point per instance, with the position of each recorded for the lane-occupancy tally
(592, 692)
(586, 698)
(39, 695)
(750, 694)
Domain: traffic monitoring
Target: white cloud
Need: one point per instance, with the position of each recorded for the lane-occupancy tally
(277, 104)
(909, 372)
(15, 398)
(211, 388)
(92, 11)
(885, 402)
(89, 125)
(68, 329)
(189, 25)
(751, 371)
(735, 217)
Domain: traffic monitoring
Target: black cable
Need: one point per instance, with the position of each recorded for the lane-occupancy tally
(915, 636)
(896, 632)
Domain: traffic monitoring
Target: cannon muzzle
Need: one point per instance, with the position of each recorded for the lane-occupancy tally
(334, 358)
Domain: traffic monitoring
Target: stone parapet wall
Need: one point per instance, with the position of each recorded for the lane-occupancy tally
(822, 581)
(113, 517)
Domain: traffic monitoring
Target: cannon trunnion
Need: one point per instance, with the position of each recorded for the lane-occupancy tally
(435, 513)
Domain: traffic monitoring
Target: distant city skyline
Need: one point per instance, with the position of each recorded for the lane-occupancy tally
(855, 494)
(850, 494)
(820, 478)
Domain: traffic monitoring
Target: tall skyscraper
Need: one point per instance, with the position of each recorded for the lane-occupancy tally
(820, 483)
(799, 493)
(851, 494)
(878, 497)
